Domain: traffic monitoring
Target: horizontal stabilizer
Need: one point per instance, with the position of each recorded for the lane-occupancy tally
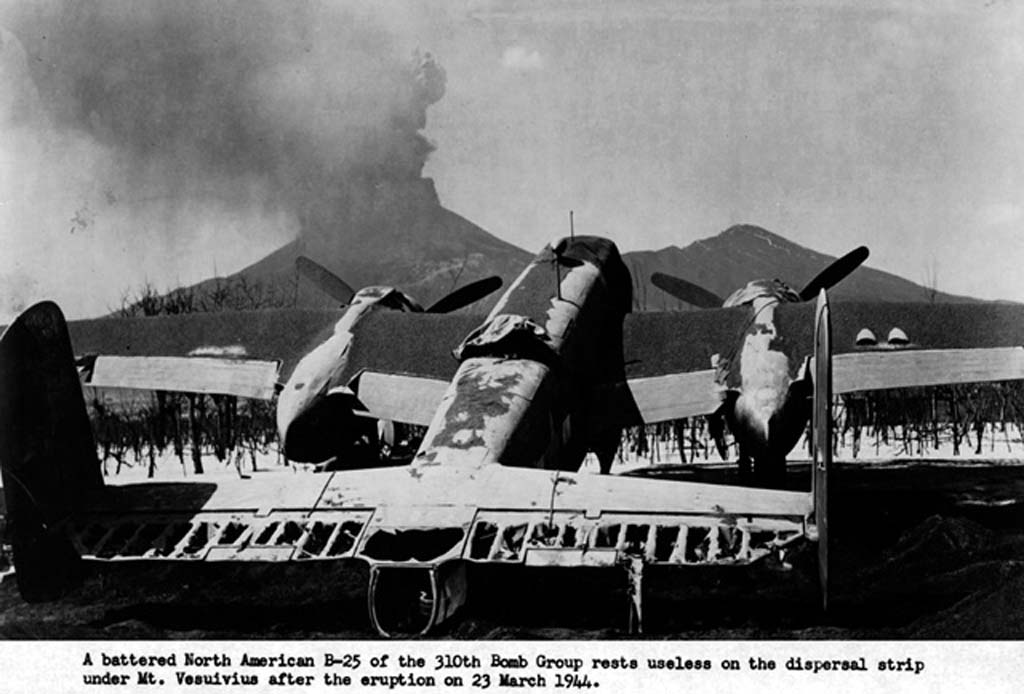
(400, 398)
(432, 514)
(881, 370)
(247, 378)
(674, 396)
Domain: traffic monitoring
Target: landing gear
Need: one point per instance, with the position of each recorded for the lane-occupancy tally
(412, 601)
(635, 590)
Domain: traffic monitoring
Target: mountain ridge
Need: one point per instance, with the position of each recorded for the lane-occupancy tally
(743, 252)
(430, 253)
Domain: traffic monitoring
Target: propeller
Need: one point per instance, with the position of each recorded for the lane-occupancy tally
(325, 280)
(472, 292)
(702, 298)
(834, 273)
(686, 291)
(338, 289)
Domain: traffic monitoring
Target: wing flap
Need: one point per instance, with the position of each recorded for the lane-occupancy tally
(248, 378)
(915, 368)
(398, 397)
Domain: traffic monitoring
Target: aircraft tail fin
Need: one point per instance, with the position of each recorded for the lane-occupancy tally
(47, 456)
(822, 426)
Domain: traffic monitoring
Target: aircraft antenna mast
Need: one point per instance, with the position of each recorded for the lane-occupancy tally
(558, 275)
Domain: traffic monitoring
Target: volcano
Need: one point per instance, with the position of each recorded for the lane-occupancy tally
(407, 240)
(730, 259)
(415, 243)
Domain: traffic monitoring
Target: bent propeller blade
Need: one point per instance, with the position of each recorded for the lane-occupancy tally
(686, 291)
(834, 273)
(325, 280)
(467, 295)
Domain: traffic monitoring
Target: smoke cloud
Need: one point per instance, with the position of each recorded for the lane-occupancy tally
(133, 133)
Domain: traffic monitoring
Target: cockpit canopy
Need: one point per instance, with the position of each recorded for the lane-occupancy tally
(768, 289)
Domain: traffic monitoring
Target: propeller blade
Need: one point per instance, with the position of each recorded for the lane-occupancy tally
(325, 280)
(686, 291)
(834, 273)
(466, 295)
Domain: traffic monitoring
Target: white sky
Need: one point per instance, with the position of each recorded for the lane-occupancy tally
(896, 125)
(892, 124)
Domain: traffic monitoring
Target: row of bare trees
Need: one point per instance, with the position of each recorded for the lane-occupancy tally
(142, 429)
(968, 418)
(219, 294)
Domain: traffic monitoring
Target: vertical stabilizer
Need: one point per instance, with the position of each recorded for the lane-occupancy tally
(47, 456)
(822, 424)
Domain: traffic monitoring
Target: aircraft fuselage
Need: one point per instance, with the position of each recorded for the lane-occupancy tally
(519, 395)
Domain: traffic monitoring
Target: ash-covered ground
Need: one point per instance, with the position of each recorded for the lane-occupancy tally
(921, 550)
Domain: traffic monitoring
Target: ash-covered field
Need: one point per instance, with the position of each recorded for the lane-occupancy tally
(921, 550)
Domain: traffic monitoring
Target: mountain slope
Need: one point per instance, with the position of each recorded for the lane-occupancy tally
(427, 250)
(422, 248)
(727, 261)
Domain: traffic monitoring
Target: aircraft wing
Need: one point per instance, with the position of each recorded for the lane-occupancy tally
(947, 343)
(927, 326)
(671, 396)
(281, 335)
(412, 344)
(399, 397)
(248, 378)
(424, 523)
(670, 342)
(667, 355)
(667, 367)
(915, 368)
(246, 352)
(400, 364)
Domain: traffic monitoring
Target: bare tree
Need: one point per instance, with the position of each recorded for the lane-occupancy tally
(223, 294)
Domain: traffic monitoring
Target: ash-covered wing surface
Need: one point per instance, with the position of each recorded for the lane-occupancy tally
(945, 343)
(656, 344)
(385, 341)
(667, 368)
(274, 334)
(411, 344)
(927, 326)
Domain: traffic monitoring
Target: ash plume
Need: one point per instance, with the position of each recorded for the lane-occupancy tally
(159, 122)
